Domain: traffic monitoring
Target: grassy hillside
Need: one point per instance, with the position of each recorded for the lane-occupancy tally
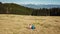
(14, 9)
(16, 24)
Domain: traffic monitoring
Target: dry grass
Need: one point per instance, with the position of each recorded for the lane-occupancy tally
(16, 24)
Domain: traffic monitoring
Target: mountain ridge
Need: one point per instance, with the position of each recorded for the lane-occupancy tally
(38, 6)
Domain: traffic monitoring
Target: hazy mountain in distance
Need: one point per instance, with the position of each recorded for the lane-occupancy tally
(38, 6)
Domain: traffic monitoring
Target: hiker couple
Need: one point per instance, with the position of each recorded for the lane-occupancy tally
(31, 26)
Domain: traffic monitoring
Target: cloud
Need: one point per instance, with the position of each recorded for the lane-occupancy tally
(32, 1)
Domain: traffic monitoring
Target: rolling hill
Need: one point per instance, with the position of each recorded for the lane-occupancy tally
(14, 8)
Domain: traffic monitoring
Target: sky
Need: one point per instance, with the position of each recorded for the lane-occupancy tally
(32, 1)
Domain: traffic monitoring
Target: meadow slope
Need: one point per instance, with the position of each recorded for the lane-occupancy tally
(17, 24)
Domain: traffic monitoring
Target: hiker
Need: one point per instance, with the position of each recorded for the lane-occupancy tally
(31, 26)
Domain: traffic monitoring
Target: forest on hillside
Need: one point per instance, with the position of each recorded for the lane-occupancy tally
(12, 8)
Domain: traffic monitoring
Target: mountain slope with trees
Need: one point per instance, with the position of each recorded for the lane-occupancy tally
(12, 8)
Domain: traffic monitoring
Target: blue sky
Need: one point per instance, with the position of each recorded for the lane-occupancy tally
(32, 1)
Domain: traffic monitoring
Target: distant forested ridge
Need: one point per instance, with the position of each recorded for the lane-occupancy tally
(12, 8)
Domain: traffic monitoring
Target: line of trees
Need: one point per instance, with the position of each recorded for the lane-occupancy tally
(11, 8)
(47, 12)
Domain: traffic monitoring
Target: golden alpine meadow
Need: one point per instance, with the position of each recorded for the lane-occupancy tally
(17, 24)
